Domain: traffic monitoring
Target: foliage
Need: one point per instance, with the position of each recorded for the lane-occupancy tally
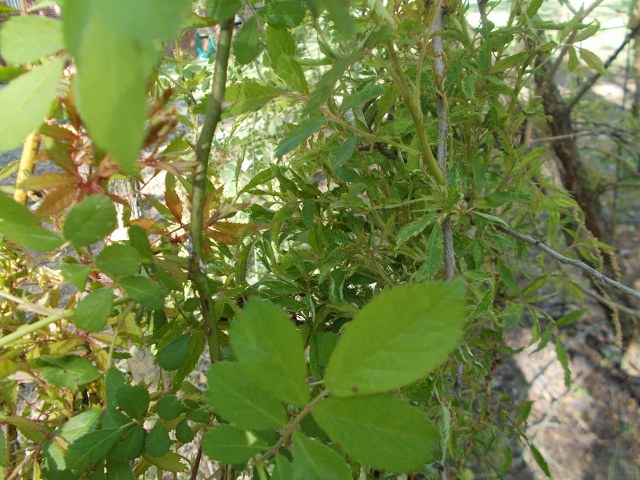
(323, 214)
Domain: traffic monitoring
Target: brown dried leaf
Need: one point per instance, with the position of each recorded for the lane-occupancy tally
(57, 200)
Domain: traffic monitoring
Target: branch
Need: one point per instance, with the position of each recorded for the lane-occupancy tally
(25, 330)
(570, 261)
(594, 78)
(443, 130)
(203, 149)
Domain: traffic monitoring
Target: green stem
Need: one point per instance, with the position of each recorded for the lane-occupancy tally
(32, 327)
(203, 149)
(293, 425)
(431, 164)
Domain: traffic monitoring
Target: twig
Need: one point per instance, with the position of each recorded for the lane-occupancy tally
(203, 149)
(25, 330)
(594, 78)
(29, 306)
(196, 465)
(570, 261)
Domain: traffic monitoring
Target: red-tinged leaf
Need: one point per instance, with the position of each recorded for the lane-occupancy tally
(174, 204)
(57, 132)
(235, 228)
(56, 201)
(47, 181)
(59, 153)
(221, 237)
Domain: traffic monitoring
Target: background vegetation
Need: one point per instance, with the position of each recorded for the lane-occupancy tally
(342, 217)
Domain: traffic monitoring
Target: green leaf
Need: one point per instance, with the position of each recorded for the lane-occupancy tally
(118, 260)
(73, 429)
(172, 356)
(380, 431)
(169, 407)
(144, 291)
(571, 317)
(90, 220)
(396, 339)
(588, 32)
(24, 103)
(158, 442)
(434, 251)
(491, 218)
(69, 371)
(573, 61)
(246, 45)
(93, 311)
(130, 444)
(234, 396)
(412, 229)
(261, 178)
(169, 462)
(139, 240)
(143, 20)
(231, 445)
(114, 381)
(90, 448)
(314, 461)
(301, 132)
(358, 98)
(220, 10)
(340, 16)
(283, 13)
(184, 434)
(44, 38)
(542, 463)
(592, 60)
(290, 70)
(19, 225)
(563, 358)
(116, 470)
(263, 337)
(533, 7)
(133, 400)
(248, 97)
(279, 42)
(282, 469)
(76, 274)
(111, 93)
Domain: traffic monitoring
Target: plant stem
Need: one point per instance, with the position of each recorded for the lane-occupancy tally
(293, 425)
(428, 160)
(203, 149)
(32, 327)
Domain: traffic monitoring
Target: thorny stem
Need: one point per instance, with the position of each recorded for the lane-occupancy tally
(203, 149)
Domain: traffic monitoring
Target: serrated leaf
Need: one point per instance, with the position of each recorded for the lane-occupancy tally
(397, 338)
(248, 97)
(491, 218)
(68, 371)
(356, 99)
(157, 443)
(24, 103)
(118, 260)
(111, 94)
(169, 462)
(290, 70)
(434, 251)
(19, 225)
(144, 291)
(380, 431)
(283, 13)
(46, 181)
(340, 16)
(89, 449)
(133, 400)
(169, 407)
(44, 34)
(139, 240)
(588, 32)
(184, 434)
(282, 469)
(314, 461)
(263, 337)
(246, 45)
(573, 61)
(174, 204)
(172, 356)
(571, 317)
(300, 132)
(90, 220)
(533, 7)
(231, 445)
(592, 60)
(93, 311)
(114, 381)
(234, 396)
(220, 10)
(116, 470)
(412, 229)
(130, 444)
